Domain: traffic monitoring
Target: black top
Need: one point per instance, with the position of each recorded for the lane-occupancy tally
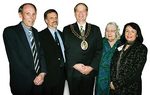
(127, 77)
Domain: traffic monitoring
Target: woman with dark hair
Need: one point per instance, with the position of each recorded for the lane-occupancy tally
(128, 62)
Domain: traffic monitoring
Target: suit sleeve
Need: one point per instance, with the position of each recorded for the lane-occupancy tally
(42, 59)
(14, 57)
(98, 49)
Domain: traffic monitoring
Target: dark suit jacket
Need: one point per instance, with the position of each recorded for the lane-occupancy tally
(74, 53)
(130, 70)
(55, 72)
(20, 58)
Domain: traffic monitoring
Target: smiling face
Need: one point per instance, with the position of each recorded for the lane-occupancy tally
(81, 13)
(52, 20)
(110, 32)
(28, 15)
(130, 34)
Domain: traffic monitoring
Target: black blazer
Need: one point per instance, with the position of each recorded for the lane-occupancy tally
(130, 69)
(20, 58)
(74, 53)
(55, 72)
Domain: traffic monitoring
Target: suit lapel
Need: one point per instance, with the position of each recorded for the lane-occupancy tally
(23, 38)
(61, 35)
(86, 27)
(49, 35)
(76, 28)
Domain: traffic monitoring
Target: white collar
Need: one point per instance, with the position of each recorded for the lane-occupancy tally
(84, 25)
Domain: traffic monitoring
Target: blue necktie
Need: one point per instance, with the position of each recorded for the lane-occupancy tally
(34, 52)
(56, 39)
(60, 51)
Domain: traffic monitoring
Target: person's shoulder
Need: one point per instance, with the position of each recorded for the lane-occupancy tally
(68, 26)
(43, 30)
(9, 31)
(93, 25)
(104, 39)
(11, 28)
(141, 46)
(59, 30)
(34, 29)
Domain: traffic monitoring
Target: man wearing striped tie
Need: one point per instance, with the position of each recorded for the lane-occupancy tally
(26, 61)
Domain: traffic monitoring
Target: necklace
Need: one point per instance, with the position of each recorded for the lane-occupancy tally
(84, 43)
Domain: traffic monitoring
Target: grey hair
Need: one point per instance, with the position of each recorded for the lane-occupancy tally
(117, 29)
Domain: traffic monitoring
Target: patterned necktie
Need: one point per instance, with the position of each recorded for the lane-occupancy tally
(81, 31)
(60, 51)
(34, 52)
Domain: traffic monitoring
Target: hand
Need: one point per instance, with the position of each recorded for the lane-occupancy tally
(112, 86)
(79, 67)
(87, 70)
(82, 68)
(39, 79)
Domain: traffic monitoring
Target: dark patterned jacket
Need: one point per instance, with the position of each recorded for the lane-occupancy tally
(127, 80)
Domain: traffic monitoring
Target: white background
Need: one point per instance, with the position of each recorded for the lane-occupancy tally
(100, 13)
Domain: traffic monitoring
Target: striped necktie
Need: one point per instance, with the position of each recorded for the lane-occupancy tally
(34, 52)
(81, 31)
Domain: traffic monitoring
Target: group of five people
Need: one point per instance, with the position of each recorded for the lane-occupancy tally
(40, 62)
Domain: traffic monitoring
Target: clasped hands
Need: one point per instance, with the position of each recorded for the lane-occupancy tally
(83, 68)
